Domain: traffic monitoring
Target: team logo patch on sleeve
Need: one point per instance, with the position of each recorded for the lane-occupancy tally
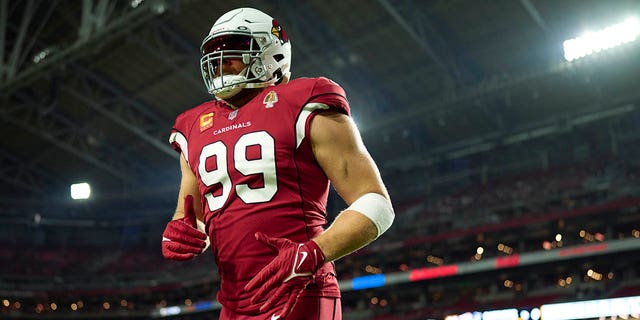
(270, 99)
(206, 121)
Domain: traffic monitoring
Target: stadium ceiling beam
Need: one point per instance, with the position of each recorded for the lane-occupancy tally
(167, 45)
(4, 8)
(291, 15)
(323, 35)
(534, 14)
(418, 33)
(128, 113)
(17, 173)
(100, 24)
(93, 90)
(487, 88)
(27, 15)
(64, 134)
(493, 140)
(135, 116)
(20, 49)
(94, 17)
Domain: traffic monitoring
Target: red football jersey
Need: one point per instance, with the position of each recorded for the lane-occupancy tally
(256, 172)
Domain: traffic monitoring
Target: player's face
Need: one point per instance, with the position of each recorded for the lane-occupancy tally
(231, 66)
(230, 47)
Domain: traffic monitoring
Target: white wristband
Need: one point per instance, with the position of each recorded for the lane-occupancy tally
(377, 208)
(203, 228)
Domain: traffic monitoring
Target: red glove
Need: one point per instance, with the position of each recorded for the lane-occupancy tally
(181, 239)
(287, 274)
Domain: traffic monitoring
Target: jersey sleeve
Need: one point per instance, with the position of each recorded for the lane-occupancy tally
(331, 94)
(179, 133)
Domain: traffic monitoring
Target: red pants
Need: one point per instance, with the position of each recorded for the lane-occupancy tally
(307, 308)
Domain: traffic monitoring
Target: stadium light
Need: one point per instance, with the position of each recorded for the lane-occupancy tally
(590, 309)
(594, 42)
(136, 3)
(80, 191)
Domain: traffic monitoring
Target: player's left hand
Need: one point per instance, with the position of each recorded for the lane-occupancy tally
(286, 275)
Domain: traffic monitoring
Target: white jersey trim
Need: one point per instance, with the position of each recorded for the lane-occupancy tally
(181, 140)
(302, 119)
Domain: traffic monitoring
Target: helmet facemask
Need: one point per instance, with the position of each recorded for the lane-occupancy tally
(233, 45)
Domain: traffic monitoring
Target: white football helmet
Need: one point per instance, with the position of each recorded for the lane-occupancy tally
(255, 38)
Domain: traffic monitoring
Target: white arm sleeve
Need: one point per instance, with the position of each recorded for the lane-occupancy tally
(377, 208)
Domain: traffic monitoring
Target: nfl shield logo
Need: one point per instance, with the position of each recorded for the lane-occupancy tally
(233, 114)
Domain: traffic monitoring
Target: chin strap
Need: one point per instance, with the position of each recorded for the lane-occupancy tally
(229, 89)
(259, 84)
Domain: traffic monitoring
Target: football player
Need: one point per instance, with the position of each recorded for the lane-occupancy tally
(256, 165)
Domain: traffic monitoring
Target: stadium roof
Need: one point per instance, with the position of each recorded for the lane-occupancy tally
(90, 89)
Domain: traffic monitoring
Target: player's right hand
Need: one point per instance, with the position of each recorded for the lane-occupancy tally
(181, 239)
(287, 275)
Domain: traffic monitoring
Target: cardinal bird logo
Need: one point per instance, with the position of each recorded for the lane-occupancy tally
(278, 31)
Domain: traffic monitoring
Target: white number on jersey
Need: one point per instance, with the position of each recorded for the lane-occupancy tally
(265, 165)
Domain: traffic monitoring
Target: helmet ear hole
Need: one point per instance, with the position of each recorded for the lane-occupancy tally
(278, 75)
(278, 57)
